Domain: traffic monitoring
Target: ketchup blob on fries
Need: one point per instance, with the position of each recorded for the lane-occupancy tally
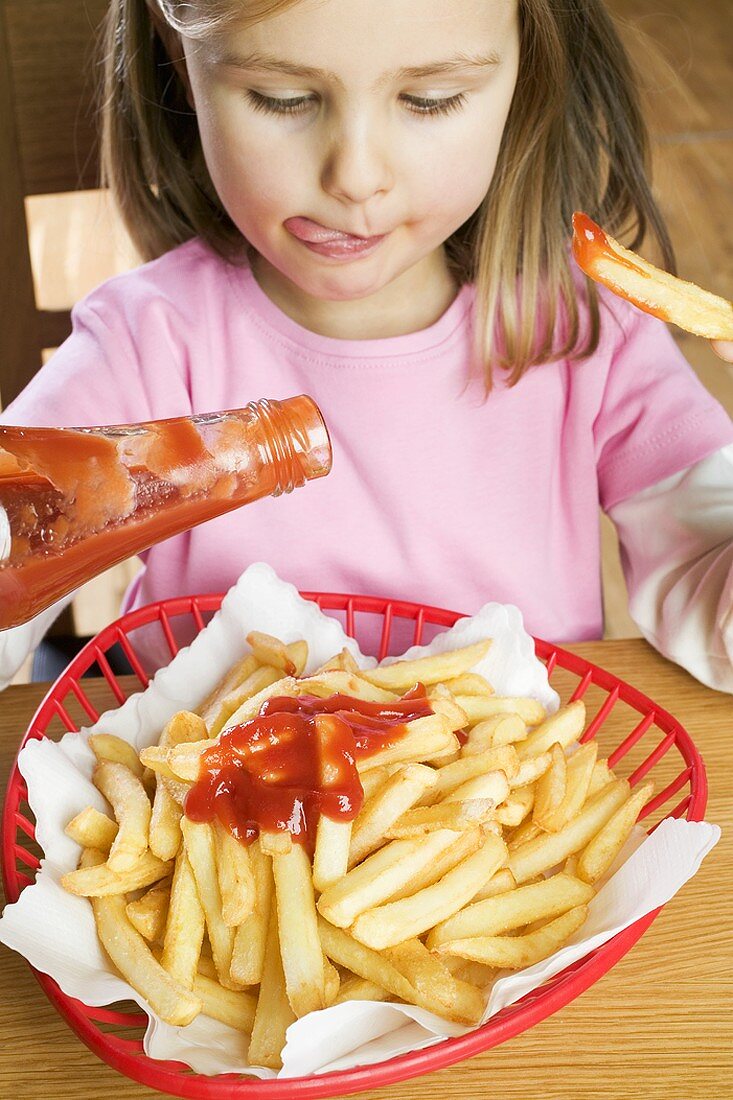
(649, 288)
(295, 760)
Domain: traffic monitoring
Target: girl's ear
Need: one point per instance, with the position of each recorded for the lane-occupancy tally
(173, 45)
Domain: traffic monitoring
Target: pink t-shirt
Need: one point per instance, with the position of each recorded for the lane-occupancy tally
(436, 495)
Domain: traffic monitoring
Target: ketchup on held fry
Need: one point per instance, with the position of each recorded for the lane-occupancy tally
(296, 760)
(591, 245)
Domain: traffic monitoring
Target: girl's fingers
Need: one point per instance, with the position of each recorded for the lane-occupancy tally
(724, 349)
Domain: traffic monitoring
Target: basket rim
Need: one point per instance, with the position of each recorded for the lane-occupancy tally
(511, 1021)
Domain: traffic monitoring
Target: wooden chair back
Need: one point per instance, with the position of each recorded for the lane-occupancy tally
(49, 75)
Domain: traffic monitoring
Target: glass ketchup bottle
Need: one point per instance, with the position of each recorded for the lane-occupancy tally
(75, 501)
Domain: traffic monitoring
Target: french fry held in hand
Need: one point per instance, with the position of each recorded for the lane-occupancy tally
(431, 882)
(648, 287)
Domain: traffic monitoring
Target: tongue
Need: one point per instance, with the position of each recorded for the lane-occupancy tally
(311, 231)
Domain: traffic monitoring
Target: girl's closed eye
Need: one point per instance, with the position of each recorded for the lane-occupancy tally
(417, 105)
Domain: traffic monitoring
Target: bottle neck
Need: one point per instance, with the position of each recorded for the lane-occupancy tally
(295, 440)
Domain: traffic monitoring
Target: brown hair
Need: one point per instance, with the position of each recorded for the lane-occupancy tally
(575, 139)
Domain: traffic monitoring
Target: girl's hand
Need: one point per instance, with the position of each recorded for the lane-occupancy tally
(724, 349)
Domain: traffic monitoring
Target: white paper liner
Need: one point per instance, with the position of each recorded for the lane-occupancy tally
(344, 1036)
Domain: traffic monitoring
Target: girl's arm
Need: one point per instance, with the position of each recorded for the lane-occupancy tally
(19, 642)
(677, 555)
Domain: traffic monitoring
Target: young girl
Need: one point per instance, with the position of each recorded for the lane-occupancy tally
(370, 202)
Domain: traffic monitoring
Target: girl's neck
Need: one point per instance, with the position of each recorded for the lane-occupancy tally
(410, 303)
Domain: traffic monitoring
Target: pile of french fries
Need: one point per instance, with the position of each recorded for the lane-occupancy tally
(482, 833)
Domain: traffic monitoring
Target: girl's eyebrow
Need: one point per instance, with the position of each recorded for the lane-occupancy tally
(460, 62)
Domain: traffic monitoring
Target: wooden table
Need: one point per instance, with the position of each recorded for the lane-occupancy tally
(659, 1025)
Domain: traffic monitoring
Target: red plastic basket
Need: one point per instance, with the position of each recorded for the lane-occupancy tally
(638, 736)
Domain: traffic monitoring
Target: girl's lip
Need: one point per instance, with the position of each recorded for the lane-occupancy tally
(313, 232)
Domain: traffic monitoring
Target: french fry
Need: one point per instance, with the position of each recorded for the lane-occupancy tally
(600, 777)
(579, 771)
(424, 738)
(115, 750)
(528, 830)
(331, 856)
(474, 973)
(342, 661)
(236, 881)
(339, 682)
(446, 815)
(373, 966)
(529, 771)
(176, 761)
(101, 881)
(452, 776)
(273, 1014)
(648, 287)
(210, 709)
(333, 837)
(501, 729)
(499, 883)
(185, 925)
(185, 726)
(131, 806)
(298, 655)
(236, 1008)
(290, 659)
(175, 788)
(551, 849)
(427, 974)
(300, 947)
(448, 755)
(148, 913)
(375, 778)
(447, 707)
(249, 941)
(551, 787)
(601, 851)
(287, 686)
(493, 785)
(469, 683)
(331, 981)
(262, 679)
(516, 952)
(92, 829)
(478, 708)
(393, 796)
(563, 727)
(359, 989)
(465, 843)
(165, 824)
(514, 909)
(369, 965)
(381, 875)
(402, 675)
(165, 819)
(396, 921)
(133, 958)
(275, 842)
(480, 738)
(198, 838)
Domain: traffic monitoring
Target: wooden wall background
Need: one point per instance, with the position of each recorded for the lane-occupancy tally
(686, 61)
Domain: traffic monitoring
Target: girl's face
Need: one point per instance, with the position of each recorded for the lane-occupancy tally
(369, 118)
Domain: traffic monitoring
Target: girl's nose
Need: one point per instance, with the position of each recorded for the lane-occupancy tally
(356, 166)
